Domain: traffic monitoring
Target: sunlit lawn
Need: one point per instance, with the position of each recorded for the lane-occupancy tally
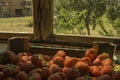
(20, 24)
(95, 32)
(16, 24)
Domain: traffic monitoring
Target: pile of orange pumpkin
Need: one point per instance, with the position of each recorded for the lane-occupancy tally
(26, 66)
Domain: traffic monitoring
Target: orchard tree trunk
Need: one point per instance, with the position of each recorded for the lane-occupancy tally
(87, 22)
(88, 28)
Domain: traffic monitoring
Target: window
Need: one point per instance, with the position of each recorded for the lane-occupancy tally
(1, 3)
(85, 17)
(7, 3)
(18, 3)
(56, 28)
(4, 3)
(46, 27)
(27, 3)
(15, 20)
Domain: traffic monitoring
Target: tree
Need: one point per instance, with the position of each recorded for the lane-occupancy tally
(104, 31)
(71, 13)
(5, 12)
(113, 10)
(116, 26)
(113, 14)
(94, 10)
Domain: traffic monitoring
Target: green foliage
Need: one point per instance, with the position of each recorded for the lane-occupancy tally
(116, 23)
(104, 31)
(113, 10)
(116, 68)
(100, 22)
(5, 12)
(66, 19)
(69, 14)
(30, 23)
(116, 26)
(110, 33)
(80, 28)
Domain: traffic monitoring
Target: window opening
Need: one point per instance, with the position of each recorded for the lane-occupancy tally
(16, 17)
(87, 17)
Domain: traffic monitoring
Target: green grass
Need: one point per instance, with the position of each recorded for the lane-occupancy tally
(16, 24)
(21, 24)
(96, 32)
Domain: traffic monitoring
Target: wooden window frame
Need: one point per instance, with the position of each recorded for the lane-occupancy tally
(43, 29)
(47, 35)
(5, 35)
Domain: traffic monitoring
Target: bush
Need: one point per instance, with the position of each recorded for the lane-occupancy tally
(116, 26)
(30, 23)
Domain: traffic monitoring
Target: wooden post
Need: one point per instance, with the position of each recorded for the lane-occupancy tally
(105, 47)
(18, 44)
